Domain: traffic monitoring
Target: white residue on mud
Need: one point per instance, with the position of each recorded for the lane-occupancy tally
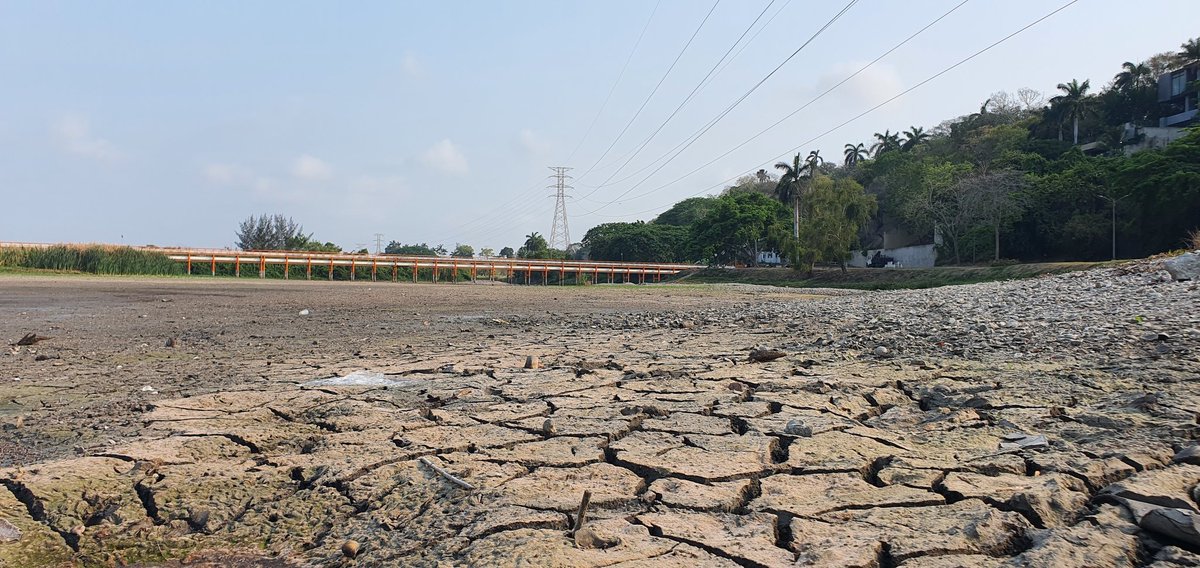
(355, 379)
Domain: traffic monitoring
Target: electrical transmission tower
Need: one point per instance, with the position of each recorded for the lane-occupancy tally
(378, 243)
(560, 235)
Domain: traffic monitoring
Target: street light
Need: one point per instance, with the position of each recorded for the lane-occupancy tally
(1114, 201)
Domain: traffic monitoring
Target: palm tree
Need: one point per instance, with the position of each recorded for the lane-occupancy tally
(916, 135)
(1074, 104)
(812, 162)
(1189, 52)
(789, 187)
(854, 153)
(1132, 77)
(885, 142)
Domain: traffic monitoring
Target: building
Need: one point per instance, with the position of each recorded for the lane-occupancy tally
(1177, 91)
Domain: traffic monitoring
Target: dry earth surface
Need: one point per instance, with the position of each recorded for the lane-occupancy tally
(189, 422)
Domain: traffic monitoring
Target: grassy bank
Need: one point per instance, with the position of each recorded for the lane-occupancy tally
(878, 278)
(92, 259)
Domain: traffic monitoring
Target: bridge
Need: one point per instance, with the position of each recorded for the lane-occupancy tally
(308, 265)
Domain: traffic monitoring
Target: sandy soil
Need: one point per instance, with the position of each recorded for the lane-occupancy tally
(173, 422)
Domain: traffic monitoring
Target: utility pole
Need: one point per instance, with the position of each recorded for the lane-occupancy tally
(560, 235)
(378, 243)
(1113, 201)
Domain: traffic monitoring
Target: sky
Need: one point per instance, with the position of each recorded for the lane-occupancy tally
(167, 123)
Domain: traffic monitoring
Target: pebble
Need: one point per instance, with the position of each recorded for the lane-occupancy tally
(305, 312)
(350, 548)
(881, 351)
(532, 362)
(797, 427)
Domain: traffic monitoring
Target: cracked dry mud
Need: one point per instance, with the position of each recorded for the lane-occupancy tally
(1049, 422)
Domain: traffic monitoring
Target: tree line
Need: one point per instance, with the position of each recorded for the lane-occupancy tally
(1027, 177)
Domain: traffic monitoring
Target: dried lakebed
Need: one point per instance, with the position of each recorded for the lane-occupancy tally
(1047, 422)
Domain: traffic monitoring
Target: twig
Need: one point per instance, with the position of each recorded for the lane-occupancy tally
(446, 474)
(582, 513)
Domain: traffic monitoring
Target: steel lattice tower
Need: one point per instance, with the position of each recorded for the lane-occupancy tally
(560, 235)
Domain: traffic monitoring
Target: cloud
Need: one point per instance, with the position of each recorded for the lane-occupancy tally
(411, 65)
(445, 156)
(533, 144)
(876, 84)
(311, 168)
(75, 134)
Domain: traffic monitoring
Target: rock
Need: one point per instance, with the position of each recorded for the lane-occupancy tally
(1179, 524)
(305, 312)
(8, 532)
(1184, 267)
(170, 342)
(198, 519)
(1174, 556)
(797, 427)
(1188, 455)
(766, 355)
(588, 539)
(1023, 441)
(1052, 500)
(350, 547)
(30, 339)
(882, 351)
(1080, 546)
(1167, 487)
(532, 362)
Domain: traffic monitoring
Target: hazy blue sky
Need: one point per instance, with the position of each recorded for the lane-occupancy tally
(168, 122)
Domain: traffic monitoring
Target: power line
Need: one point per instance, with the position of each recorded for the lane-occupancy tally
(868, 111)
(801, 108)
(696, 136)
(655, 90)
(690, 95)
(617, 82)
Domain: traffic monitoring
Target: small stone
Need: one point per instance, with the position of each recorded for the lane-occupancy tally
(170, 342)
(305, 312)
(882, 351)
(796, 427)
(532, 362)
(8, 532)
(350, 548)
(1190, 454)
(586, 538)
(148, 388)
(765, 355)
(548, 426)
(198, 519)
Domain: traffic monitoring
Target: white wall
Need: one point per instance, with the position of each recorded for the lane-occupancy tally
(918, 256)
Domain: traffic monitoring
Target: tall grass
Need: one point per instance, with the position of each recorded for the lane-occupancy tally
(95, 259)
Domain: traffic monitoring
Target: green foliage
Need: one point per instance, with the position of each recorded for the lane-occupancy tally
(463, 251)
(738, 227)
(639, 241)
(94, 259)
(686, 212)
(422, 249)
(831, 215)
(507, 252)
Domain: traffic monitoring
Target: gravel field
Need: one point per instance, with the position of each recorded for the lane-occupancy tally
(192, 422)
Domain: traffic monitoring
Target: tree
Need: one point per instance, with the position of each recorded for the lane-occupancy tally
(886, 142)
(914, 136)
(688, 211)
(789, 188)
(463, 251)
(1073, 104)
(487, 252)
(994, 199)
(638, 241)
(834, 213)
(422, 249)
(1133, 76)
(272, 232)
(507, 252)
(1189, 52)
(738, 227)
(854, 153)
